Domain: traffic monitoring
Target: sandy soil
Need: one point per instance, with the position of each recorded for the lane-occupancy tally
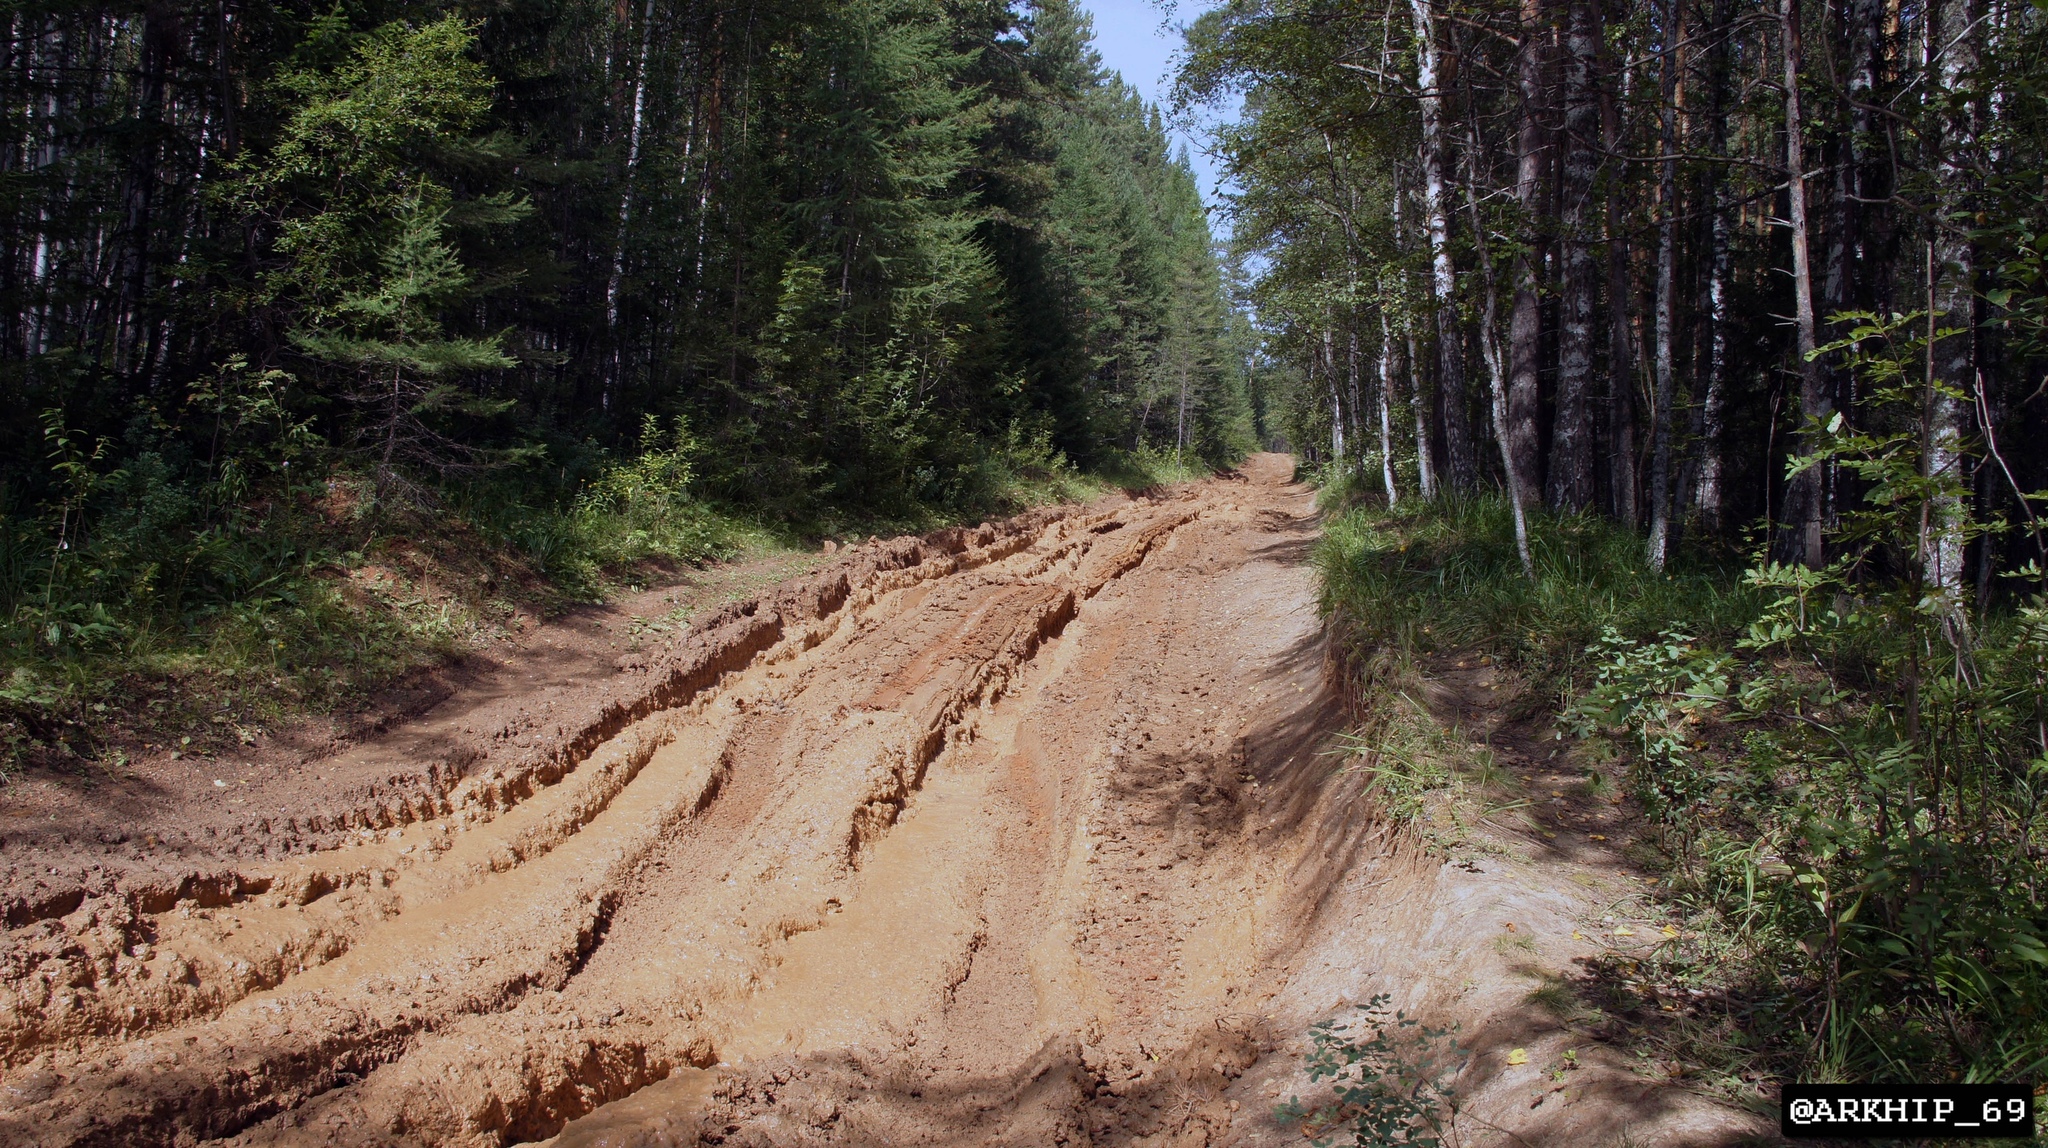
(1022, 834)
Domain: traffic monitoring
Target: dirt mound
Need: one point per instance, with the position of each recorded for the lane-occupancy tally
(1008, 835)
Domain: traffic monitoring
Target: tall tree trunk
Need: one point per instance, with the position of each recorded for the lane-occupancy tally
(1524, 446)
(1846, 209)
(1667, 287)
(224, 78)
(1708, 495)
(1621, 344)
(1872, 25)
(1345, 190)
(1387, 358)
(1951, 302)
(1357, 404)
(1180, 416)
(159, 37)
(1419, 413)
(1571, 431)
(1489, 347)
(1337, 455)
(615, 374)
(1806, 495)
(1460, 461)
(1418, 393)
(1843, 274)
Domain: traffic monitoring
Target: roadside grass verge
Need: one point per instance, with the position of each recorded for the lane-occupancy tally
(1843, 796)
(1431, 577)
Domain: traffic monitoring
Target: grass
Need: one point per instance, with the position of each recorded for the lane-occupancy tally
(1826, 932)
(329, 603)
(1431, 577)
(1428, 580)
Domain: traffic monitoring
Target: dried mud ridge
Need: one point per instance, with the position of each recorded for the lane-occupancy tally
(987, 837)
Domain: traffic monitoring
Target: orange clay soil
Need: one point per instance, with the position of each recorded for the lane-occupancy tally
(1021, 835)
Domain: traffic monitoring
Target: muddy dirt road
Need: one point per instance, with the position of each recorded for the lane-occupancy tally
(1015, 835)
(935, 843)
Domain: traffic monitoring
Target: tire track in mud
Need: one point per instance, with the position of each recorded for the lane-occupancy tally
(126, 948)
(638, 894)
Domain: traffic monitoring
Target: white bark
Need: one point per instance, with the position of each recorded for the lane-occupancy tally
(1418, 397)
(618, 272)
(1458, 454)
(1667, 294)
(1337, 456)
(1813, 402)
(1496, 369)
(1386, 410)
(1951, 306)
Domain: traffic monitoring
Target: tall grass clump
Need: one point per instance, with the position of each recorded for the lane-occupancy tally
(1023, 469)
(1444, 575)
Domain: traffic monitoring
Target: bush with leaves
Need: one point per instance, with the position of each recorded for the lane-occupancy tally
(1390, 1080)
(634, 510)
(1894, 766)
(1845, 766)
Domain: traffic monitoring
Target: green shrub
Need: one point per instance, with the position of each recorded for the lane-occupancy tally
(1390, 1081)
(1843, 766)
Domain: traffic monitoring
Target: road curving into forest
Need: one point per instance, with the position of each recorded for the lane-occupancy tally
(995, 836)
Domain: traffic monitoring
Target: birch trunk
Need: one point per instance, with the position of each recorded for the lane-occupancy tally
(1489, 348)
(1357, 406)
(1951, 306)
(1418, 394)
(1806, 497)
(1337, 455)
(618, 269)
(1386, 404)
(1707, 496)
(1459, 460)
(1667, 288)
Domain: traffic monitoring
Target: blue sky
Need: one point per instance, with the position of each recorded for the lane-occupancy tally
(1138, 38)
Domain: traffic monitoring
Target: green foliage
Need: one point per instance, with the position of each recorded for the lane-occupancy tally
(1897, 741)
(1842, 765)
(1125, 309)
(1658, 691)
(633, 511)
(351, 164)
(245, 593)
(407, 370)
(1390, 1079)
(1445, 576)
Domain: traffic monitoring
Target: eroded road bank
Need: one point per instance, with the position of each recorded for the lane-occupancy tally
(993, 837)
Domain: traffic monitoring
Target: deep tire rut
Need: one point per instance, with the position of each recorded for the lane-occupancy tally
(990, 836)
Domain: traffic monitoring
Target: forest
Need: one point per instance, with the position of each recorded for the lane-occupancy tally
(564, 283)
(1688, 356)
(1688, 360)
(1632, 261)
